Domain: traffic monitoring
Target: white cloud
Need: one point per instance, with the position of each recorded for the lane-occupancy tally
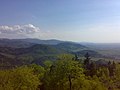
(19, 29)
(102, 32)
(24, 31)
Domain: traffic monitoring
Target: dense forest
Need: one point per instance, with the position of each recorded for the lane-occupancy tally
(32, 64)
(68, 72)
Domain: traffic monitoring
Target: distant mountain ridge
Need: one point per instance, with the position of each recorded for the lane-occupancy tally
(14, 43)
(38, 41)
(23, 43)
(18, 52)
(26, 51)
(71, 46)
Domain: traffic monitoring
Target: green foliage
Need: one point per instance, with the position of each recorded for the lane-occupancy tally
(61, 72)
(47, 64)
(38, 70)
(68, 74)
(89, 84)
(65, 73)
(21, 78)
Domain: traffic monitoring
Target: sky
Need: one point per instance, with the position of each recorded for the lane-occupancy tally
(72, 20)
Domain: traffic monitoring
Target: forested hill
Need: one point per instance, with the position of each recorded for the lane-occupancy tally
(38, 41)
(26, 51)
(62, 66)
(21, 43)
(15, 43)
(71, 46)
(43, 49)
(22, 52)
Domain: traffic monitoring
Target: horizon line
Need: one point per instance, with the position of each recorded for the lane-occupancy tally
(83, 42)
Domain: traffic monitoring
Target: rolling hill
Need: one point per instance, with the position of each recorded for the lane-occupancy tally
(71, 46)
(34, 53)
(27, 51)
(15, 43)
(91, 53)
(38, 41)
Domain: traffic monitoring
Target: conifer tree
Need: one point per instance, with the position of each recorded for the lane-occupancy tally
(93, 69)
(111, 68)
(76, 57)
(87, 60)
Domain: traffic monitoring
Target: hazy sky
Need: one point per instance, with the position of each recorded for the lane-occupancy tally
(74, 20)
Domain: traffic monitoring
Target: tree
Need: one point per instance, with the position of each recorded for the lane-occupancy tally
(93, 69)
(87, 60)
(75, 57)
(64, 73)
(112, 68)
(22, 78)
